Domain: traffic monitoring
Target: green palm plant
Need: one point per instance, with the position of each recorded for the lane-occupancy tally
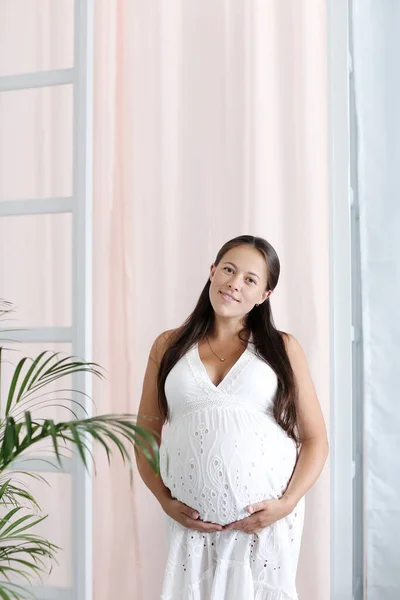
(23, 553)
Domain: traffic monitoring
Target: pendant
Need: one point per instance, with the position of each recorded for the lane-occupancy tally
(222, 359)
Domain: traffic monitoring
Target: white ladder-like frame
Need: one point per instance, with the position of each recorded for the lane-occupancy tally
(80, 76)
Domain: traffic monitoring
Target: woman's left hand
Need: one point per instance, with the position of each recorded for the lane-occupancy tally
(262, 514)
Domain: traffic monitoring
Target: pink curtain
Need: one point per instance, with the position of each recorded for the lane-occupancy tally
(210, 122)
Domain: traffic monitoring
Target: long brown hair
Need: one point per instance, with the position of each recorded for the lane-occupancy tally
(268, 341)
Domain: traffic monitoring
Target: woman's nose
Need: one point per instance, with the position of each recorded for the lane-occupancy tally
(234, 283)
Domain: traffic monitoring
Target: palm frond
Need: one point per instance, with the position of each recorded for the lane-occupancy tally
(118, 431)
(11, 494)
(13, 591)
(22, 553)
(6, 308)
(45, 369)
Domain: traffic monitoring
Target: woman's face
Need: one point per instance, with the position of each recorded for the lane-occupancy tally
(241, 274)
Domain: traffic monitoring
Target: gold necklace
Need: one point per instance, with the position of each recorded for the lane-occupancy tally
(215, 354)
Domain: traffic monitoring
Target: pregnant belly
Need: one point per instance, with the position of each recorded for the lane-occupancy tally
(218, 461)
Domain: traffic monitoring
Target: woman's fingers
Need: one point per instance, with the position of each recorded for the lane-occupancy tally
(201, 525)
(189, 512)
(194, 522)
(188, 517)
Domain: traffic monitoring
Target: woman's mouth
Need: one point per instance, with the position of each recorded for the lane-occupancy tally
(228, 298)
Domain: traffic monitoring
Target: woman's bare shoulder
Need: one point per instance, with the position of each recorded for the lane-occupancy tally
(292, 344)
(160, 344)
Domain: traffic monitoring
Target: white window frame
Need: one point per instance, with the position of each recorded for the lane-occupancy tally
(80, 76)
(346, 464)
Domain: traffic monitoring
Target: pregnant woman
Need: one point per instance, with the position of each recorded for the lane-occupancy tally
(246, 437)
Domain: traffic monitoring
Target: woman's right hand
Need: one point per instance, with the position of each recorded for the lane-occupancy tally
(188, 517)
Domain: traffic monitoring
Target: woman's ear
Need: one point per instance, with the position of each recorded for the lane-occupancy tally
(266, 295)
(212, 271)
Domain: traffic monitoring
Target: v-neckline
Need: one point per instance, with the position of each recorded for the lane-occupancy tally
(228, 377)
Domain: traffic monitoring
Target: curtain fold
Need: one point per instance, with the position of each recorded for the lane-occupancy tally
(210, 122)
(376, 47)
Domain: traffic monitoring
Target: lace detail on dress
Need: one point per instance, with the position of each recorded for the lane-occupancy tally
(211, 402)
(201, 376)
(201, 381)
(235, 371)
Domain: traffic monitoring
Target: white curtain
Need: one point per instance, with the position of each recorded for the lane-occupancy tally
(376, 29)
(210, 122)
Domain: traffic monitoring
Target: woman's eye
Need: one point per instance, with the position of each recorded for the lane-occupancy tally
(228, 268)
(253, 280)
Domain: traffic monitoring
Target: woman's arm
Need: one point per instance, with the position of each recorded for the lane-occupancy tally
(149, 408)
(314, 441)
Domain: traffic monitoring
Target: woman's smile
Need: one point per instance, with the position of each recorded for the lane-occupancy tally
(228, 298)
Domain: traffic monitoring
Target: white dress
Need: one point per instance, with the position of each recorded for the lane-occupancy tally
(221, 453)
